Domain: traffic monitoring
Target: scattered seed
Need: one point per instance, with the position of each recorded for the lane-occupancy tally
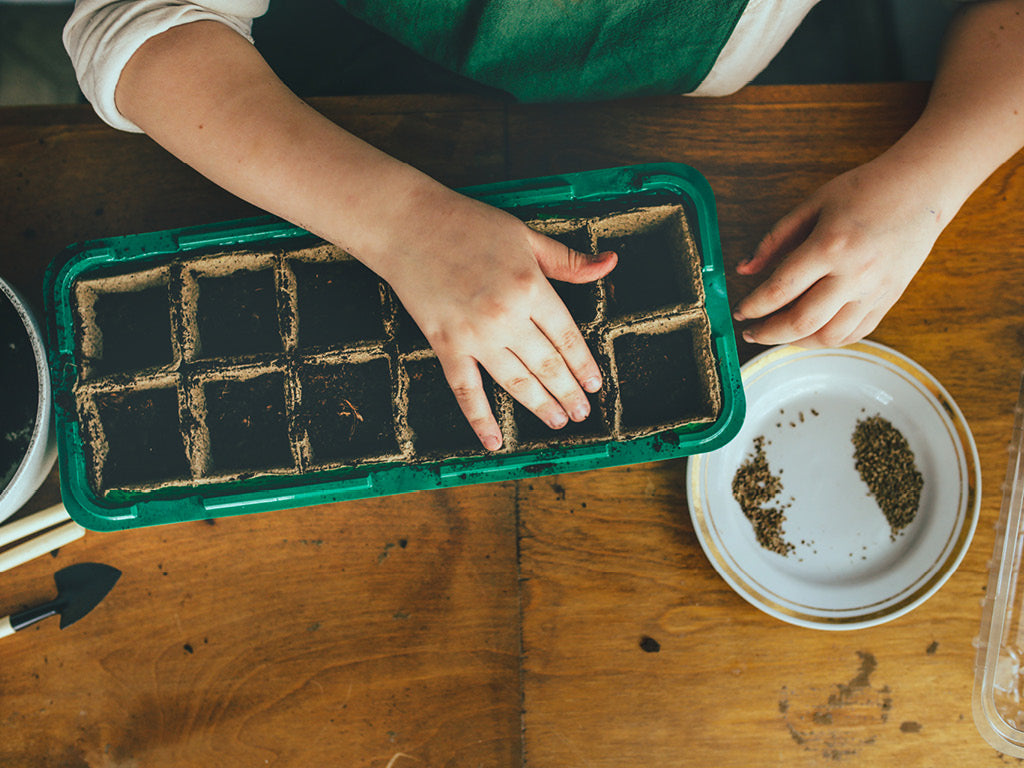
(754, 487)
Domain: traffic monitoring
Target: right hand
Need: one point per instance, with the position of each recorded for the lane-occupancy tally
(475, 279)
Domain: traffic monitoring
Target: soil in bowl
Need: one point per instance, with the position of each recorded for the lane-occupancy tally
(20, 386)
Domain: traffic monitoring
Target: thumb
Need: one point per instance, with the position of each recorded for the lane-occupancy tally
(560, 262)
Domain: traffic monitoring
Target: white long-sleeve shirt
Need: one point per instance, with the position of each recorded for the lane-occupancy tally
(102, 35)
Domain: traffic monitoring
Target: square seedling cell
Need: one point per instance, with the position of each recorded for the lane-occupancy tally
(581, 299)
(248, 424)
(434, 416)
(347, 411)
(237, 314)
(133, 329)
(339, 303)
(142, 437)
(656, 264)
(659, 378)
(532, 432)
(407, 333)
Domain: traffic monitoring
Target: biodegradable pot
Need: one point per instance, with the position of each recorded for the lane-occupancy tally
(28, 446)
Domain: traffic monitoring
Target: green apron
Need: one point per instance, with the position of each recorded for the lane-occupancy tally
(563, 50)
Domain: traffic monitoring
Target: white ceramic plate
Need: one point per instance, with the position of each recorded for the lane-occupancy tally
(847, 571)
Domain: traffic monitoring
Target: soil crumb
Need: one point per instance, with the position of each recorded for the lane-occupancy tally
(754, 487)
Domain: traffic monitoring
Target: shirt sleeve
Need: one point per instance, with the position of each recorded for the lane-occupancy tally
(102, 35)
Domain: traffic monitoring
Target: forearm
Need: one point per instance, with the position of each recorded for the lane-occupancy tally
(207, 96)
(974, 119)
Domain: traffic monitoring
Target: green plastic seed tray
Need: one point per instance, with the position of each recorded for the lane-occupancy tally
(250, 366)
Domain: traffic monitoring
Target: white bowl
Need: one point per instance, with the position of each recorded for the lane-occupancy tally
(42, 447)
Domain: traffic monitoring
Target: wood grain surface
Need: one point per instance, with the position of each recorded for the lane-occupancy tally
(556, 622)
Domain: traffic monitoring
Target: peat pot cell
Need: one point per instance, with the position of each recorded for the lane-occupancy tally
(579, 298)
(143, 439)
(134, 330)
(434, 416)
(237, 314)
(532, 431)
(248, 424)
(407, 333)
(347, 411)
(654, 262)
(659, 378)
(339, 303)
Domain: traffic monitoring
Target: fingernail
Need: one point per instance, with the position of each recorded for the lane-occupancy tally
(600, 256)
(738, 317)
(748, 336)
(558, 420)
(581, 411)
(492, 442)
(592, 384)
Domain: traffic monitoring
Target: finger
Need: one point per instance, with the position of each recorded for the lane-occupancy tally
(548, 364)
(520, 382)
(867, 325)
(836, 331)
(558, 326)
(560, 262)
(463, 377)
(784, 236)
(804, 318)
(790, 281)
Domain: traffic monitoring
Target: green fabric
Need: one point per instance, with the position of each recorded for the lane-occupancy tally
(547, 50)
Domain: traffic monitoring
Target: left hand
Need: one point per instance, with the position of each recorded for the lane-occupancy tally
(842, 258)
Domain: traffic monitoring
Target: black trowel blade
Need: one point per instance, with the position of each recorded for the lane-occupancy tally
(81, 587)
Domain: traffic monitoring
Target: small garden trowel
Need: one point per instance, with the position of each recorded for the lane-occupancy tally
(80, 588)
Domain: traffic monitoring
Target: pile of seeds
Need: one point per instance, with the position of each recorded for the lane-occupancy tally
(886, 464)
(754, 487)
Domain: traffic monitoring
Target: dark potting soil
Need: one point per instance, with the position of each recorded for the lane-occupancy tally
(407, 334)
(658, 378)
(347, 411)
(237, 314)
(434, 415)
(248, 424)
(144, 439)
(579, 298)
(646, 277)
(339, 302)
(135, 328)
(19, 385)
(532, 430)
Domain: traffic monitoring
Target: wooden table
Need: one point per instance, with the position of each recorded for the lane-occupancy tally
(501, 625)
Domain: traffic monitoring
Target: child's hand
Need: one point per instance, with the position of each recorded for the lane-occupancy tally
(475, 280)
(842, 258)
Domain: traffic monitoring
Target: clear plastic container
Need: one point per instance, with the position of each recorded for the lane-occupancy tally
(999, 677)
